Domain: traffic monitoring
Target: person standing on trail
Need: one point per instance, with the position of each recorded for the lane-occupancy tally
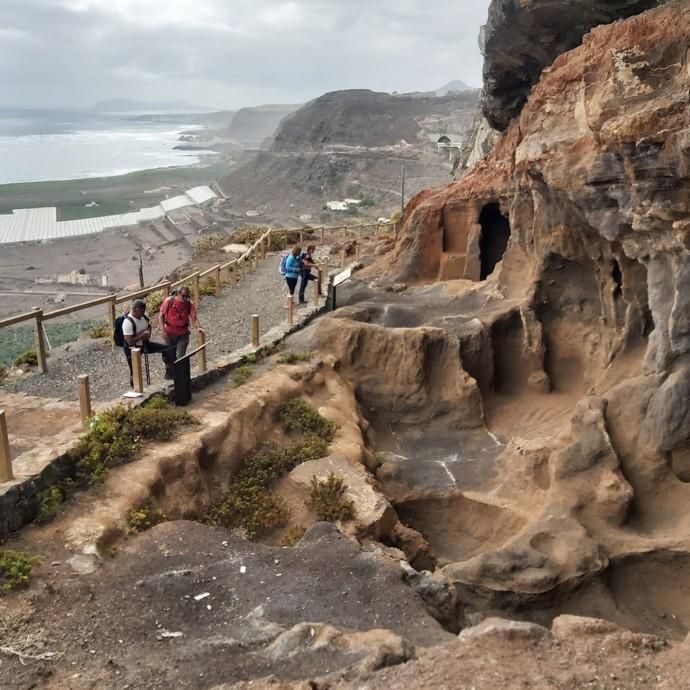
(293, 268)
(307, 259)
(136, 332)
(176, 313)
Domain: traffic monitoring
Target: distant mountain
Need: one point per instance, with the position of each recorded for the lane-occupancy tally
(253, 126)
(455, 86)
(128, 105)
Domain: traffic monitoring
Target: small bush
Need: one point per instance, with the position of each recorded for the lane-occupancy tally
(209, 243)
(292, 536)
(249, 359)
(241, 374)
(248, 234)
(248, 503)
(51, 499)
(144, 518)
(207, 287)
(294, 357)
(15, 569)
(101, 330)
(29, 357)
(299, 416)
(153, 303)
(116, 435)
(327, 499)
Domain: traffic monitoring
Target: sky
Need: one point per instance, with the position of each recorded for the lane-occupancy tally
(226, 54)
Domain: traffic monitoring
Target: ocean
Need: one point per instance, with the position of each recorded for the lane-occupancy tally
(39, 145)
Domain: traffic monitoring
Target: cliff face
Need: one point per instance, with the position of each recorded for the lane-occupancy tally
(577, 223)
(521, 38)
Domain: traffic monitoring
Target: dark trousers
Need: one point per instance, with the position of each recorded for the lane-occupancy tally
(306, 277)
(150, 347)
(292, 284)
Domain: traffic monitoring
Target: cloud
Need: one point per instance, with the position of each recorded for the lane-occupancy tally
(229, 53)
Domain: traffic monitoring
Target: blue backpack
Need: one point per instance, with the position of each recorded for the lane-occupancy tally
(283, 264)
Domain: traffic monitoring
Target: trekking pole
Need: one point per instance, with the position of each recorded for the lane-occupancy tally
(146, 367)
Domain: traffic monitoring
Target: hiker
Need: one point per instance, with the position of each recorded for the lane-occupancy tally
(174, 317)
(136, 332)
(307, 259)
(293, 268)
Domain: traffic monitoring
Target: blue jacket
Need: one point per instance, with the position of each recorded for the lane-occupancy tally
(293, 267)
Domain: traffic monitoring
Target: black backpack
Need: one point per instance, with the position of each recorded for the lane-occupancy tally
(118, 335)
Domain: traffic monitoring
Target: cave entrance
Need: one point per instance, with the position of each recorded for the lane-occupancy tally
(494, 238)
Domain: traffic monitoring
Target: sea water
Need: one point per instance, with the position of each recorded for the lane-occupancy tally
(37, 145)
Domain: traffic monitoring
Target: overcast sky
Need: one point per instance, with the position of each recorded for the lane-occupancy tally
(231, 53)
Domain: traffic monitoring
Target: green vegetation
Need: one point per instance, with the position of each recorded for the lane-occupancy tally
(100, 330)
(299, 416)
(51, 499)
(29, 357)
(207, 287)
(241, 375)
(114, 437)
(327, 499)
(210, 243)
(15, 569)
(294, 357)
(248, 503)
(145, 518)
(14, 341)
(248, 234)
(153, 303)
(3, 373)
(367, 202)
(249, 359)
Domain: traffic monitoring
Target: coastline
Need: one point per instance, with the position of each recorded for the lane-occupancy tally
(115, 194)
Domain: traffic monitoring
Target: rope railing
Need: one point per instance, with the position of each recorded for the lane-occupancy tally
(221, 272)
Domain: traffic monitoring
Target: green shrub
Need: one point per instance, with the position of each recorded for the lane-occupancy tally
(299, 416)
(51, 499)
(249, 359)
(15, 569)
(294, 357)
(327, 499)
(145, 518)
(29, 357)
(101, 330)
(207, 287)
(248, 503)
(241, 374)
(153, 303)
(116, 434)
(209, 243)
(248, 234)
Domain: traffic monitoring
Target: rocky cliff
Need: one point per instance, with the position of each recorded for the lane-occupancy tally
(520, 39)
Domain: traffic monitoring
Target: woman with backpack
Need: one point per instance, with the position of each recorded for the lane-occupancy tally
(176, 313)
(293, 269)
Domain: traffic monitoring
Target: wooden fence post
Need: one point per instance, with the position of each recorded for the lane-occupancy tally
(357, 250)
(323, 229)
(196, 293)
(360, 231)
(319, 281)
(301, 236)
(203, 362)
(111, 309)
(6, 474)
(236, 271)
(219, 286)
(85, 399)
(255, 330)
(137, 378)
(316, 292)
(290, 310)
(344, 232)
(39, 341)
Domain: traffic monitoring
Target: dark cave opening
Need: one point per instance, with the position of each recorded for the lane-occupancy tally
(494, 238)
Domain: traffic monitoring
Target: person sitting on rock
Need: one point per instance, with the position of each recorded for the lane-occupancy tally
(175, 315)
(293, 268)
(136, 331)
(307, 258)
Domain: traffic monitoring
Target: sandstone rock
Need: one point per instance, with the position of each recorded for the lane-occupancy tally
(520, 39)
(567, 627)
(504, 629)
(373, 513)
(415, 547)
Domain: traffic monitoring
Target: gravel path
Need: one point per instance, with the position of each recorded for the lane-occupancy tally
(226, 319)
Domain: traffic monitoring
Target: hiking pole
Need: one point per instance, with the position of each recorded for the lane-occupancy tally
(146, 367)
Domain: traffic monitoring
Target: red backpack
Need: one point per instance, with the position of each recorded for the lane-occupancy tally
(176, 316)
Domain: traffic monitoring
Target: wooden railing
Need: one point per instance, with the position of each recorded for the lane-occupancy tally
(231, 270)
